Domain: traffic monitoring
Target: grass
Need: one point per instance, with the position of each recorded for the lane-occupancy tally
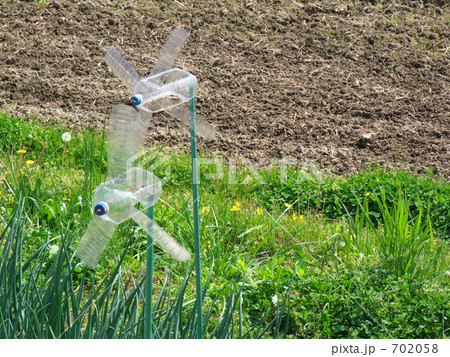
(302, 255)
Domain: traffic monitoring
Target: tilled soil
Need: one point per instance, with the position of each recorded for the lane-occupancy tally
(341, 83)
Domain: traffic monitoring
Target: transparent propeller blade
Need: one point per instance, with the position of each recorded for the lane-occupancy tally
(161, 237)
(122, 69)
(170, 51)
(114, 202)
(182, 114)
(94, 241)
(126, 134)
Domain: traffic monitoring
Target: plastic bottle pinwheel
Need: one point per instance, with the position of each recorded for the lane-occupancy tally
(166, 89)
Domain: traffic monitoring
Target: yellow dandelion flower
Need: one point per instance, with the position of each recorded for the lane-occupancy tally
(29, 162)
(259, 211)
(367, 194)
(21, 151)
(236, 207)
(205, 210)
(352, 236)
(297, 217)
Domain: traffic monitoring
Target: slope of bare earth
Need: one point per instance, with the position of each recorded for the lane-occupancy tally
(343, 83)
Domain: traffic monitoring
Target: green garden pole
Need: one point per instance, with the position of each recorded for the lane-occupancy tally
(198, 263)
(149, 282)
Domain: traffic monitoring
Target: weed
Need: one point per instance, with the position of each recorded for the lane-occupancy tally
(306, 256)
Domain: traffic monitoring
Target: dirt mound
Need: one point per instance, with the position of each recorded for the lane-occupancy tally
(343, 83)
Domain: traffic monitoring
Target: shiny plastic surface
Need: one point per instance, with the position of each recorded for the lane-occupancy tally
(120, 195)
(157, 92)
(122, 68)
(170, 51)
(175, 87)
(126, 133)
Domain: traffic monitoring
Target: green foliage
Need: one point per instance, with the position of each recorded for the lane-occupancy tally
(43, 145)
(404, 245)
(367, 304)
(335, 197)
(53, 295)
(274, 266)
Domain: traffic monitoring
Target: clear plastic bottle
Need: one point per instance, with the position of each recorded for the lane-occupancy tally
(167, 88)
(113, 203)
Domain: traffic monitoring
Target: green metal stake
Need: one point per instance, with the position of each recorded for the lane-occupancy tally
(198, 263)
(149, 282)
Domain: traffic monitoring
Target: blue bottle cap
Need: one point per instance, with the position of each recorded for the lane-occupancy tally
(136, 100)
(101, 209)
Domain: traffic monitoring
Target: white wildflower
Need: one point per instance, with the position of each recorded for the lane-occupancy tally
(275, 299)
(53, 250)
(66, 137)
